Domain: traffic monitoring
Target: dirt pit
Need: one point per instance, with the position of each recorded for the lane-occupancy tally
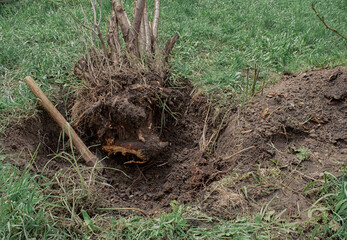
(282, 140)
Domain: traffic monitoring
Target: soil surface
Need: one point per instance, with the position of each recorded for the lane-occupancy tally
(267, 153)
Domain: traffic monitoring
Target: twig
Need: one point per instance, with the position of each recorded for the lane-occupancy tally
(255, 78)
(326, 26)
(88, 111)
(216, 134)
(97, 27)
(247, 74)
(142, 173)
(170, 43)
(202, 143)
(221, 172)
(241, 151)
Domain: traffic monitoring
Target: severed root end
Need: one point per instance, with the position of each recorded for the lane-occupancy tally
(112, 149)
(143, 151)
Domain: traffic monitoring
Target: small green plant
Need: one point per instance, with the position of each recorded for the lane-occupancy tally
(89, 221)
(302, 153)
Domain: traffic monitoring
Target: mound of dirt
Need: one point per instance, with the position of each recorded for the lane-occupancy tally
(281, 142)
(268, 153)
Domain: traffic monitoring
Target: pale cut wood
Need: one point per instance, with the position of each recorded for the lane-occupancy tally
(87, 155)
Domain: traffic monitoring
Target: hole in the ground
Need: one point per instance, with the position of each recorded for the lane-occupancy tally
(177, 172)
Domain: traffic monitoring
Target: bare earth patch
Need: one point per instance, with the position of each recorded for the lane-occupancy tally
(268, 154)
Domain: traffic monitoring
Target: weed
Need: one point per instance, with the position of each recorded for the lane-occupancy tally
(219, 40)
(302, 153)
(37, 39)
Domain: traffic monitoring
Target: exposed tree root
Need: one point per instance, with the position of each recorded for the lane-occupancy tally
(125, 102)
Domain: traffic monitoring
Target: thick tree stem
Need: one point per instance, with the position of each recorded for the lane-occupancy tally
(156, 15)
(133, 43)
(148, 32)
(122, 18)
(113, 39)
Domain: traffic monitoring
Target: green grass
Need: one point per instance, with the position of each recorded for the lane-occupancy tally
(23, 206)
(220, 39)
(331, 208)
(37, 39)
(178, 225)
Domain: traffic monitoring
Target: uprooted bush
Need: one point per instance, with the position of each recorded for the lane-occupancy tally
(126, 98)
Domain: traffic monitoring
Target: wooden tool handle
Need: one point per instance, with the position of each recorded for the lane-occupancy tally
(87, 155)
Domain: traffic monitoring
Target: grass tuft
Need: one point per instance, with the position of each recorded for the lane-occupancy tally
(23, 208)
(332, 208)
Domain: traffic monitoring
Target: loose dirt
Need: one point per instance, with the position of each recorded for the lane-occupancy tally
(228, 168)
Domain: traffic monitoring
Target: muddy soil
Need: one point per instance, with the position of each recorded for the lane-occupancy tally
(255, 158)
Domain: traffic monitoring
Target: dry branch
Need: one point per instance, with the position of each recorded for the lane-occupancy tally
(170, 43)
(97, 25)
(326, 25)
(113, 38)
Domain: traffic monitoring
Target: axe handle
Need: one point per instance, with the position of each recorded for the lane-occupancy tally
(87, 155)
